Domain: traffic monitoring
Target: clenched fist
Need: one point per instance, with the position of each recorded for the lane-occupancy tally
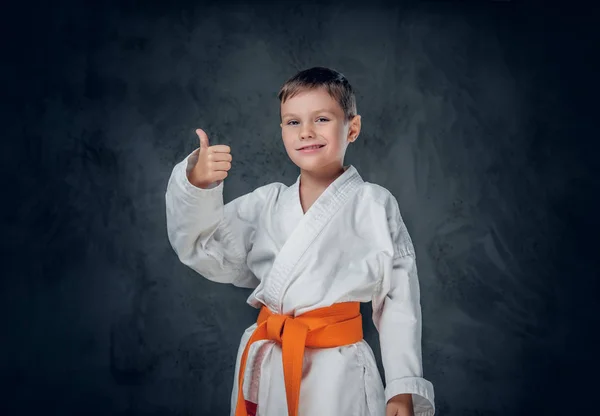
(212, 165)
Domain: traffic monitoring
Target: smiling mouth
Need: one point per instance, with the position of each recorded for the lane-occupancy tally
(316, 146)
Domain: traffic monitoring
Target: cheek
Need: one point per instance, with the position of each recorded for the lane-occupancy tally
(288, 141)
(284, 135)
(335, 130)
(334, 134)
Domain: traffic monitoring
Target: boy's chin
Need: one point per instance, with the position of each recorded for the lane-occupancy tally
(307, 165)
(312, 166)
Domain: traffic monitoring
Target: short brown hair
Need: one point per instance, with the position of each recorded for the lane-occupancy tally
(332, 81)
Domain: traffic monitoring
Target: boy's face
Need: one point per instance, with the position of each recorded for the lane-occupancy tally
(313, 117)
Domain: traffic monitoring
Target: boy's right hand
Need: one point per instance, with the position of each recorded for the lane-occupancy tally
(212, 165)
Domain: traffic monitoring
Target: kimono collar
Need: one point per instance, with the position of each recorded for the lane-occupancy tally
(350, 174)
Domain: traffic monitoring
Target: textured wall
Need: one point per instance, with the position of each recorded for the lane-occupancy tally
(474, 116)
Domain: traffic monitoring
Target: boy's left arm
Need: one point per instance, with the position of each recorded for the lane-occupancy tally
(397, 317)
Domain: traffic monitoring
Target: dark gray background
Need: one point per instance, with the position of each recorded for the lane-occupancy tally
(478, 116)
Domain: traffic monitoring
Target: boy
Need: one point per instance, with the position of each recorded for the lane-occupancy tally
(312, 252)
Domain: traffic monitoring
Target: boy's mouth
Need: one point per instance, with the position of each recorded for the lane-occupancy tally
(312, 147)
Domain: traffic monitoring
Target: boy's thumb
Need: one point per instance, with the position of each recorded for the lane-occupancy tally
(203, 138)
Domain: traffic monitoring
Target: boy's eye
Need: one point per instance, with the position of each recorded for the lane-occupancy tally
(294, 122)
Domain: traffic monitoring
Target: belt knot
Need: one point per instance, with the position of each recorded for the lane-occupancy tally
(332, 326)
(277, 325)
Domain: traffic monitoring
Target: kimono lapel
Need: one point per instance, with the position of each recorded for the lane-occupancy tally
(307, 229)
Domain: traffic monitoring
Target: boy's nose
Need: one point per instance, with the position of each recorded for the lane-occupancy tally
(307, 133)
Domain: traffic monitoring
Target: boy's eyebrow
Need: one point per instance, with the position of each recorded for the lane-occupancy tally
(322, 110)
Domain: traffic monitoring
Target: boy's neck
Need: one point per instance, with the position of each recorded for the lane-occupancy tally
(321, 179)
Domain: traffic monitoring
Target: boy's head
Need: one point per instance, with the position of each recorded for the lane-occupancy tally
(335, 83)
(318, 107)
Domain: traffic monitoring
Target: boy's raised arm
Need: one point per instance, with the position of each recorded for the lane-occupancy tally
(397, 317)
(211, 238)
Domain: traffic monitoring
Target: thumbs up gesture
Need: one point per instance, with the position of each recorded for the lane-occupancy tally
(212, 165)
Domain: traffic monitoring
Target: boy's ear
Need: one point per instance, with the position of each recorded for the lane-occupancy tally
(354, 129)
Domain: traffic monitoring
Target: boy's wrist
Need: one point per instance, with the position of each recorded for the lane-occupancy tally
(191, 190)
(404, 398)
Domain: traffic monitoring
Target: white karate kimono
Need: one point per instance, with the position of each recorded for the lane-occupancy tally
(351, 245)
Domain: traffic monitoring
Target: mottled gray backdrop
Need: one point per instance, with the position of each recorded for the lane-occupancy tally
(476, 115)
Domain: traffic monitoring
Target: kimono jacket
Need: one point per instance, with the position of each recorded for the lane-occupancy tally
(350, 246)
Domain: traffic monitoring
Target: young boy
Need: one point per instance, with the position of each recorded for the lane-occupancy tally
(312, 252)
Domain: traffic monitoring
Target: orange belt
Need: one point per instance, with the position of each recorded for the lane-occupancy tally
(333, 326)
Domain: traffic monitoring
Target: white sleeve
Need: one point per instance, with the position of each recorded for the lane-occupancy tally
(209, 237)
(397, 317)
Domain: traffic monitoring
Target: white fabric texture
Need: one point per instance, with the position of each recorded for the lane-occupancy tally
(351, 245)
